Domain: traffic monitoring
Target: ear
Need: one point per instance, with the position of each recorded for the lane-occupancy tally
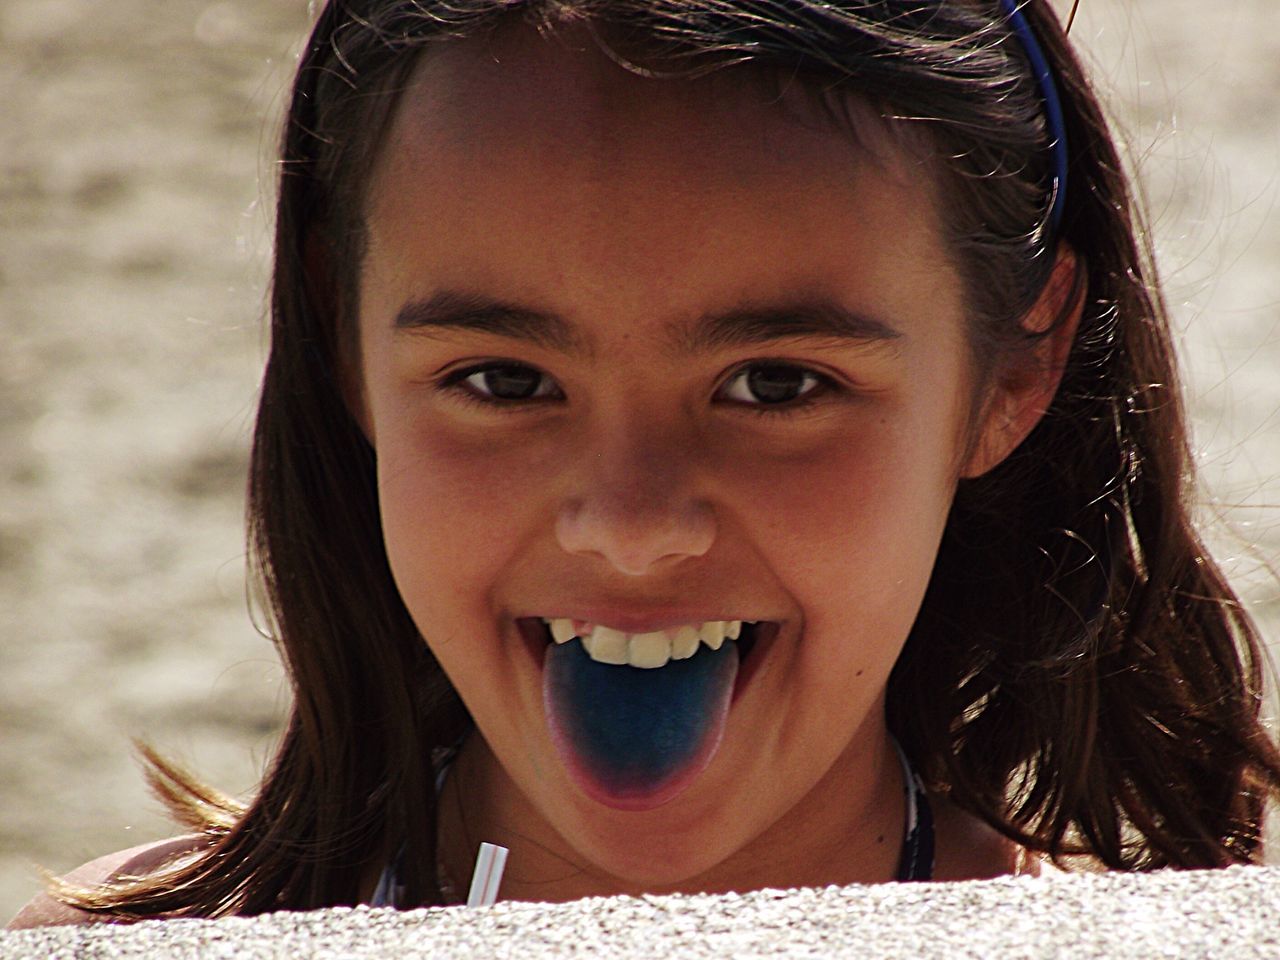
(323, 290)
(1023, 390)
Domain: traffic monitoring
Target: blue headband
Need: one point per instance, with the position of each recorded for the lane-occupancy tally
(1052, 108)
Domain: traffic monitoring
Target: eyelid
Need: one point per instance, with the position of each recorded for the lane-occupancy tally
(453, 383)
(826, 387)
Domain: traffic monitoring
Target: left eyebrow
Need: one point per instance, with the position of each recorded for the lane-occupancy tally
(754, 326)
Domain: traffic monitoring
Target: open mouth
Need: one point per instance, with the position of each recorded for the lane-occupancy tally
(636, 717)
(653, 650)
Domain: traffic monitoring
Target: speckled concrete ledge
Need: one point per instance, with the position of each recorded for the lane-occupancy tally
(1228, 913)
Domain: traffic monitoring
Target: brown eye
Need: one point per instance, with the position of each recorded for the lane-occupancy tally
(768, 384)
(507, 382)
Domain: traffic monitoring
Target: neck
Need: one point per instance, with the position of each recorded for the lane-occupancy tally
(847, 829)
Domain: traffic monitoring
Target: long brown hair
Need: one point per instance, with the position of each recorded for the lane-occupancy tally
(1080, 676)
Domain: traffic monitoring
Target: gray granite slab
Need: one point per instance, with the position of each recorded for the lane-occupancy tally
(1231, 913)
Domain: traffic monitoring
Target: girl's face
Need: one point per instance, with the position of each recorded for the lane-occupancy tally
(648, 354)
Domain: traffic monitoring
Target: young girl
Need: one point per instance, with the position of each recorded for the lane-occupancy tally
(709, 445)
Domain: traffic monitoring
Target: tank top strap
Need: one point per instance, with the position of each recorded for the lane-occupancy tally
(390, 892)
(916, 860)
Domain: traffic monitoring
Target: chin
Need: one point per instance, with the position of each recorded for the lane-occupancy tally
(665, 850)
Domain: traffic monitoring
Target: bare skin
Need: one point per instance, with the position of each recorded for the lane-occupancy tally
(47, 911)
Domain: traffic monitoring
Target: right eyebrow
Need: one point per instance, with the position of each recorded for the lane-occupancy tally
(451, 309)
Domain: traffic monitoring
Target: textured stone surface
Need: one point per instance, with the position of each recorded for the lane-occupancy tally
(1227, 913)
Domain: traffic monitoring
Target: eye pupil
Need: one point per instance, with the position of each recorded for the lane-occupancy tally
(512, 383)
(775, 383)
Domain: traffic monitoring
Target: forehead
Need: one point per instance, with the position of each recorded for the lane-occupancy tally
(563, 90)
(518, 159)
(558, 98)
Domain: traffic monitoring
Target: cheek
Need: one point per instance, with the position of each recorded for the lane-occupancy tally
(854, 531)
(453, 514)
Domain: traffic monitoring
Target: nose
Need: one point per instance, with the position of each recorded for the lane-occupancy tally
(635, 508)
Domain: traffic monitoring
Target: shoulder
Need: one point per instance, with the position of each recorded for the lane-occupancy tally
(45, 910)
(969, 849)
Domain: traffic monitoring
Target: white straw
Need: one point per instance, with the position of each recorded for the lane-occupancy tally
(488, 875)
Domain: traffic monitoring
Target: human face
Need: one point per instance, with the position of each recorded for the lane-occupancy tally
(731, 347)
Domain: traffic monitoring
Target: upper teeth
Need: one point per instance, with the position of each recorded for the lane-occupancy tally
(646, 650)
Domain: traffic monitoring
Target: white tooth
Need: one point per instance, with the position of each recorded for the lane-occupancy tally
(649, 650)
(685, 643)
(608, 646)
(733, 629)
(562, 630)
(712, 633)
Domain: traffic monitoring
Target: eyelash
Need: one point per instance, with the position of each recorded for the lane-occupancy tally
(455, 383)
(822, 386)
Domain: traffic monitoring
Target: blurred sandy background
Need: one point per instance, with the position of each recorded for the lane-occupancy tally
(135, 186)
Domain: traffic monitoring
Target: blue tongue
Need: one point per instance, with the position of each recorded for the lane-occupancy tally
(634, 738)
